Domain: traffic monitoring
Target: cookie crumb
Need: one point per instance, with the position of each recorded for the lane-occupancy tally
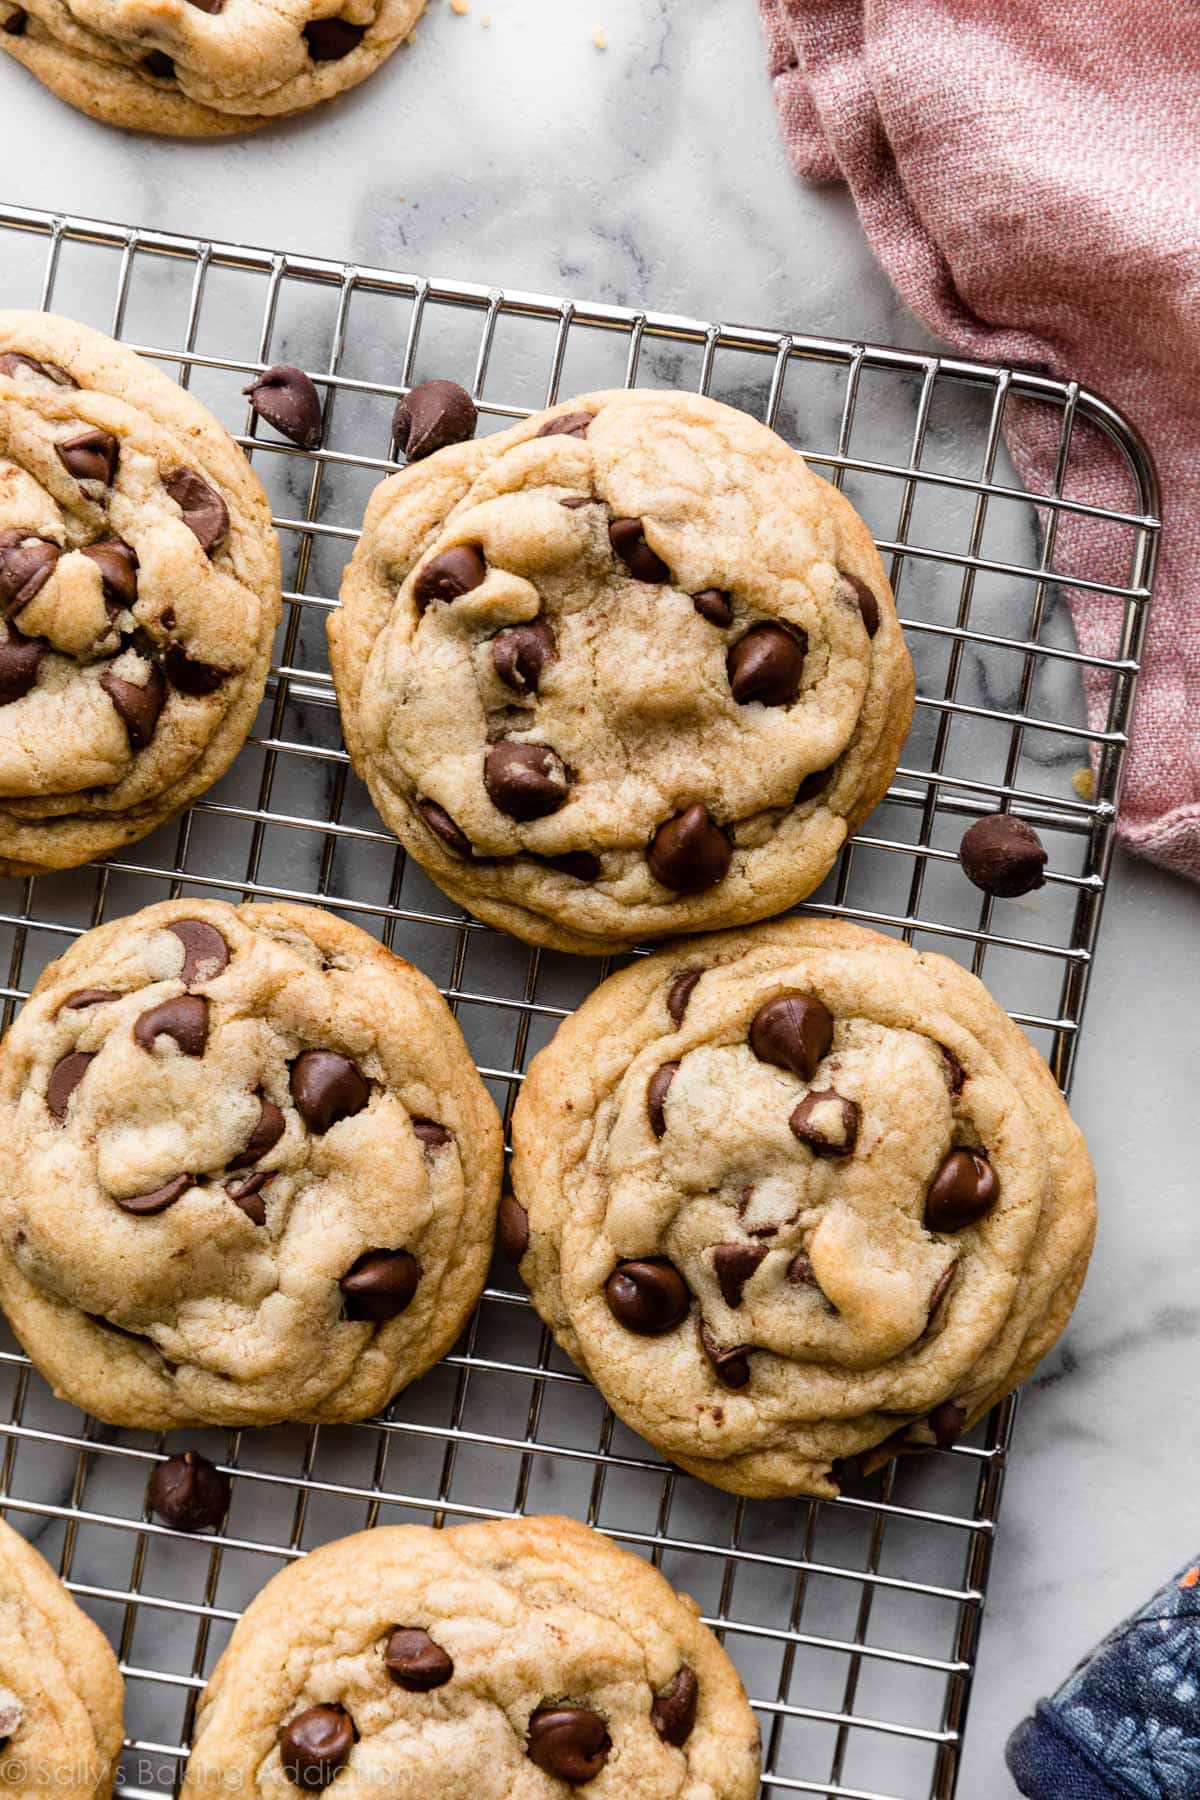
(461, 7)
(1190, 1579)
(1084, 782)
(485, 21)
(600, 38)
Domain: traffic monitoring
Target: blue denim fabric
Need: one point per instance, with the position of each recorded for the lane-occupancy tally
(1125, 1725)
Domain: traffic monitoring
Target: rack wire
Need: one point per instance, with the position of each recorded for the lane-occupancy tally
(855, 1623)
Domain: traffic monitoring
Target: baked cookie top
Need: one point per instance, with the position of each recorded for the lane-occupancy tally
(795, 1195)
(628, 668)
(202, 68)
(139, 583)
(61, 1694)
(252, 1170)
(514, 1660)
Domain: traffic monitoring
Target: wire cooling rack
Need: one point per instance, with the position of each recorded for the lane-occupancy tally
(855, 1623)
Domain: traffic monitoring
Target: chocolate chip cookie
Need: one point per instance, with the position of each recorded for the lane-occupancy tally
(61, 1694)
(798, 1195)
(251, 1171)
(139, 584)
(202, 68)
(512, 1660)
(629, 668)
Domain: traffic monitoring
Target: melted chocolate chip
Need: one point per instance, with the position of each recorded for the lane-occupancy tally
(525, 781)
(204, 512)
(329, 40)
(443, 827)
(188, 1492)
(689, 853)
(628, 539)
(814, 784)
(157, 1200)
(14, 26)
(327, 1087)
(680, 992)
(657, 1089)
(800, 1271)
(13, 363)
(137, 706)
(574, 501)
(733, 1265)
(90, 456)
(649, 1297)
(447, 577)
(827, 1122)
(766, 665)
(20, 660)
(1003, 856)
(731, 1367)
(793, 1031)
(26, 565)
(567, 425)
(118, 566)
(285, 397)
(184, 1020)
(513, 1227)
(568, 1742)
(868, 605)
(189, 675)
(205, 952)
(715, 605)
(962, 1191)
(673, 1713)
(430, 1134)
(208, 6)
(317, 1742)
(268, 1129)
(941, 1288)
(380, 1284)
(247, 1194)
(160, 64)
(86, 997)
(414, 1661)
(956, 1075)
(521, 652)
(947, 1422)
(580, 865)
(432, 416)
(65, 1077)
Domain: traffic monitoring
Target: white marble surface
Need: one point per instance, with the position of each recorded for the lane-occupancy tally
(650, 172)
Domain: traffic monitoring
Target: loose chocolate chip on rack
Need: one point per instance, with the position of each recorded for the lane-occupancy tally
(205, 952)
(184, 1020)
(580, 865)
(90, 456)
(628, 539)
(569, 1743)
(525, 781)
(204, 512)
(26, 564)
(521, 652)
(444, 827)
(814, 784)
(414, 1661)
(380, 1284)
(793, 1031)
(158, 63)
(20, 660)
(680, 992)
(137, 705)
(192, 677)
(827, 1123)
(956, 1075)
(86, 997)
(1003, 856)
(731, 1367)
(448, 577)
(188, 1492)
(316, 1743)
(157, 1200)
(673, 1713)
(962, 1191)
(733, 1265)
(268, 1129)
(13, 363)
(247, 1194)
(715, 605)
(941, 1288)
(868, 605)
(656, 1096)
(648, 1296)
(430, 1134)
(766, 665)
(327, 1087)
(329, 40)
(690, 852)
(65, 1077)
(118, 566)
(432, 416)
(284, 396)
(513, 1227)
(567, 425)
(946, 1423)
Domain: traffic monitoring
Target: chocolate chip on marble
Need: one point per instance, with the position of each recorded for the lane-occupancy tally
(86, 997)
(648, 1296)
(327, 1087)
(962, 1191)
(432, 416)
(941, 1288)
(793, 1031)
(118, 566)
(430, 1134)
(26, 564)
(731, 1367)
(733, 1265)
(246, 1193)
(827, 1123)
(673, 1713)
(65, 1077)
(205, 951)
(513, 1227)
(90, 456)
(628, 539)
(14, 362)
(190, 675)
(204, 512)
(525, 781)
(521, 652)
(680, 992)
(766, 665)
(715, 605)
(450, 575)
(268, 1129)
(956, 1075)
(1003, 856)
(138, 706)
(317, 1743)
(444, 827)
(160, 64)
(414, 1661)
(184, 1020)
(188, 1492)
(657, 1089)
(568, 1742)
(690, 852)
(329, 40)
(142, 1206)
(868, 605)
(380, 1284)
(20, 660)
(580, 865)
(947, 1422)
(285, 397)
(567, 425)
(814, 784)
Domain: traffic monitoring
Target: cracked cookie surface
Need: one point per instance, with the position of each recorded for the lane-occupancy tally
(797, 1195)
(139, 586)
(519, 1659)
(629, 668)
(253, 1171)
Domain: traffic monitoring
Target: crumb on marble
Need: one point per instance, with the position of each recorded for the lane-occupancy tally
(600, 38)
(485, 21)
(461, 7)
(1084, 782)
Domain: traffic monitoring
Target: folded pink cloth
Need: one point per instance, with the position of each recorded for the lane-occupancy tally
(1029, 176)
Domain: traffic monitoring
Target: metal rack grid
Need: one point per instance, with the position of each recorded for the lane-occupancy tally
(854, 1623)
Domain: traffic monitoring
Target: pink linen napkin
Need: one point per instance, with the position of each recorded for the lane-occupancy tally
(1029, 176)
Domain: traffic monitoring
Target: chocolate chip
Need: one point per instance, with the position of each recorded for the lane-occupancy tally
(12, 1713)
(574, 501)
(20, 660)
(941, 1288)
(204, 512)
(731, 1367)
(142, 1206)
(656, 1096)
(285, 397)
(430, 1134)
(827, 1122)
(208, 6)
(962, 1191)
(814, 784)
(205, 952)
(443, 826)
(569, 1743)
(14, 26)
(65, 1077)
(327, 1087)
(26, 564)
(525, 781)
(137, 706)
(513, 1226)
(14, 362)
(715, 605)
(689, 853)
(188, 1492)
(432, 416)
(189, 675)
(317, 1742)
(160, 64)
(793, 1031)
(580, 865)
(184, 1020)
(956, 1075)
(521, 652)
(868, 605)
(1003, 856)
(733, 1265)
(648, 1296)
(86, 997)
(673, 1713)
(447, 577)
(414, 1661)
(380, 1284)
(680, 992)
(766, 665)
(118, 566)
(268, 1129)
(91, 456)
(329, 40)
(567, 425)
(247, 1194)
(628, 539)
(800, 1271)
(946, 1423)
